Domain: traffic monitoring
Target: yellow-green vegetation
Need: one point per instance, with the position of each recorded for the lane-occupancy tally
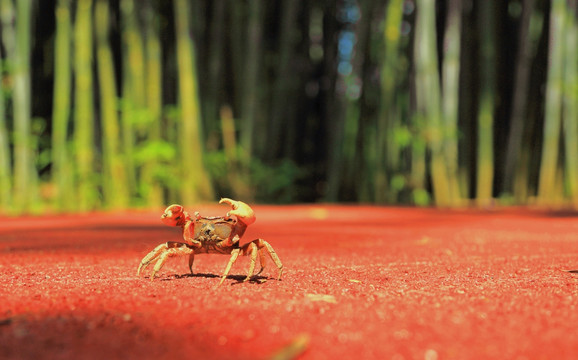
(122, 104)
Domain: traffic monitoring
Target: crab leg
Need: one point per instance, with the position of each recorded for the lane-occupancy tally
(263, 245)
(234, 256)
(262, 261)
(151, 256)
(191, 260)
(161, 253)
(254, 251)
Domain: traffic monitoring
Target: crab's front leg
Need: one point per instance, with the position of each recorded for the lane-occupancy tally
(162, 252)
(234, 256)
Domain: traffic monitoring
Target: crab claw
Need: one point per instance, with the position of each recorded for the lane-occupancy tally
(174, 215)
(242, 211)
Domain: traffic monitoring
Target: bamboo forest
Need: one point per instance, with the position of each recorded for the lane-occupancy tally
(126, 104)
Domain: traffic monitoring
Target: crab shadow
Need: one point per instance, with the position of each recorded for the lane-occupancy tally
(240, 279)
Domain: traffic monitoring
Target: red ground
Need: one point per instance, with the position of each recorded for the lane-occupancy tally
(359, 282)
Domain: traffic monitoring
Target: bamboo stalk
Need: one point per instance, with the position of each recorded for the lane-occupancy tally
(251, 85)
(450, 102)
(5, 155)
(387, 120)
(525, 185)
(237, 37)
(570, 102)
(195, 183)
(238, 175)
(215, 68)
(6, 18)
(334, 109)
(553, 111)
(280, 114)
(153, 189)
(485, 166)
(429, 97)
(25, 191)
(61, 170)
(84, 108)
(115, 191)
(133, 117)
(520, 97)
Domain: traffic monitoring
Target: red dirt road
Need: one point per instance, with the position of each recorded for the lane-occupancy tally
(359, 282)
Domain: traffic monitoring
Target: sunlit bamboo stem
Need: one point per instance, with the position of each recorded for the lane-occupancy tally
(570, 103)
(84, 107)
(133, 118)
(450, 87)
(152, 189)
(553, 111)
(116, 194)
(195, 182)
(25, 193)
(429, 97)
(5, 155)
(8, 37)
(61, 169)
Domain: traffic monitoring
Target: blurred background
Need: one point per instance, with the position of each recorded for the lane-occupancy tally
(117, 104)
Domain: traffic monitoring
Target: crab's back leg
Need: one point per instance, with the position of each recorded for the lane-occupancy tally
(263, 245)
(161, 253)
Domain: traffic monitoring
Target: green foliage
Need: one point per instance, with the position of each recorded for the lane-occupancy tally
(271, 183)
(374, 101)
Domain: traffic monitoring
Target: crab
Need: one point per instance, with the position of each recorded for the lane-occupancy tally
(211, 235)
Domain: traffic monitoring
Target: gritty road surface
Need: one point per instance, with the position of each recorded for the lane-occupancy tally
(359, 282)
